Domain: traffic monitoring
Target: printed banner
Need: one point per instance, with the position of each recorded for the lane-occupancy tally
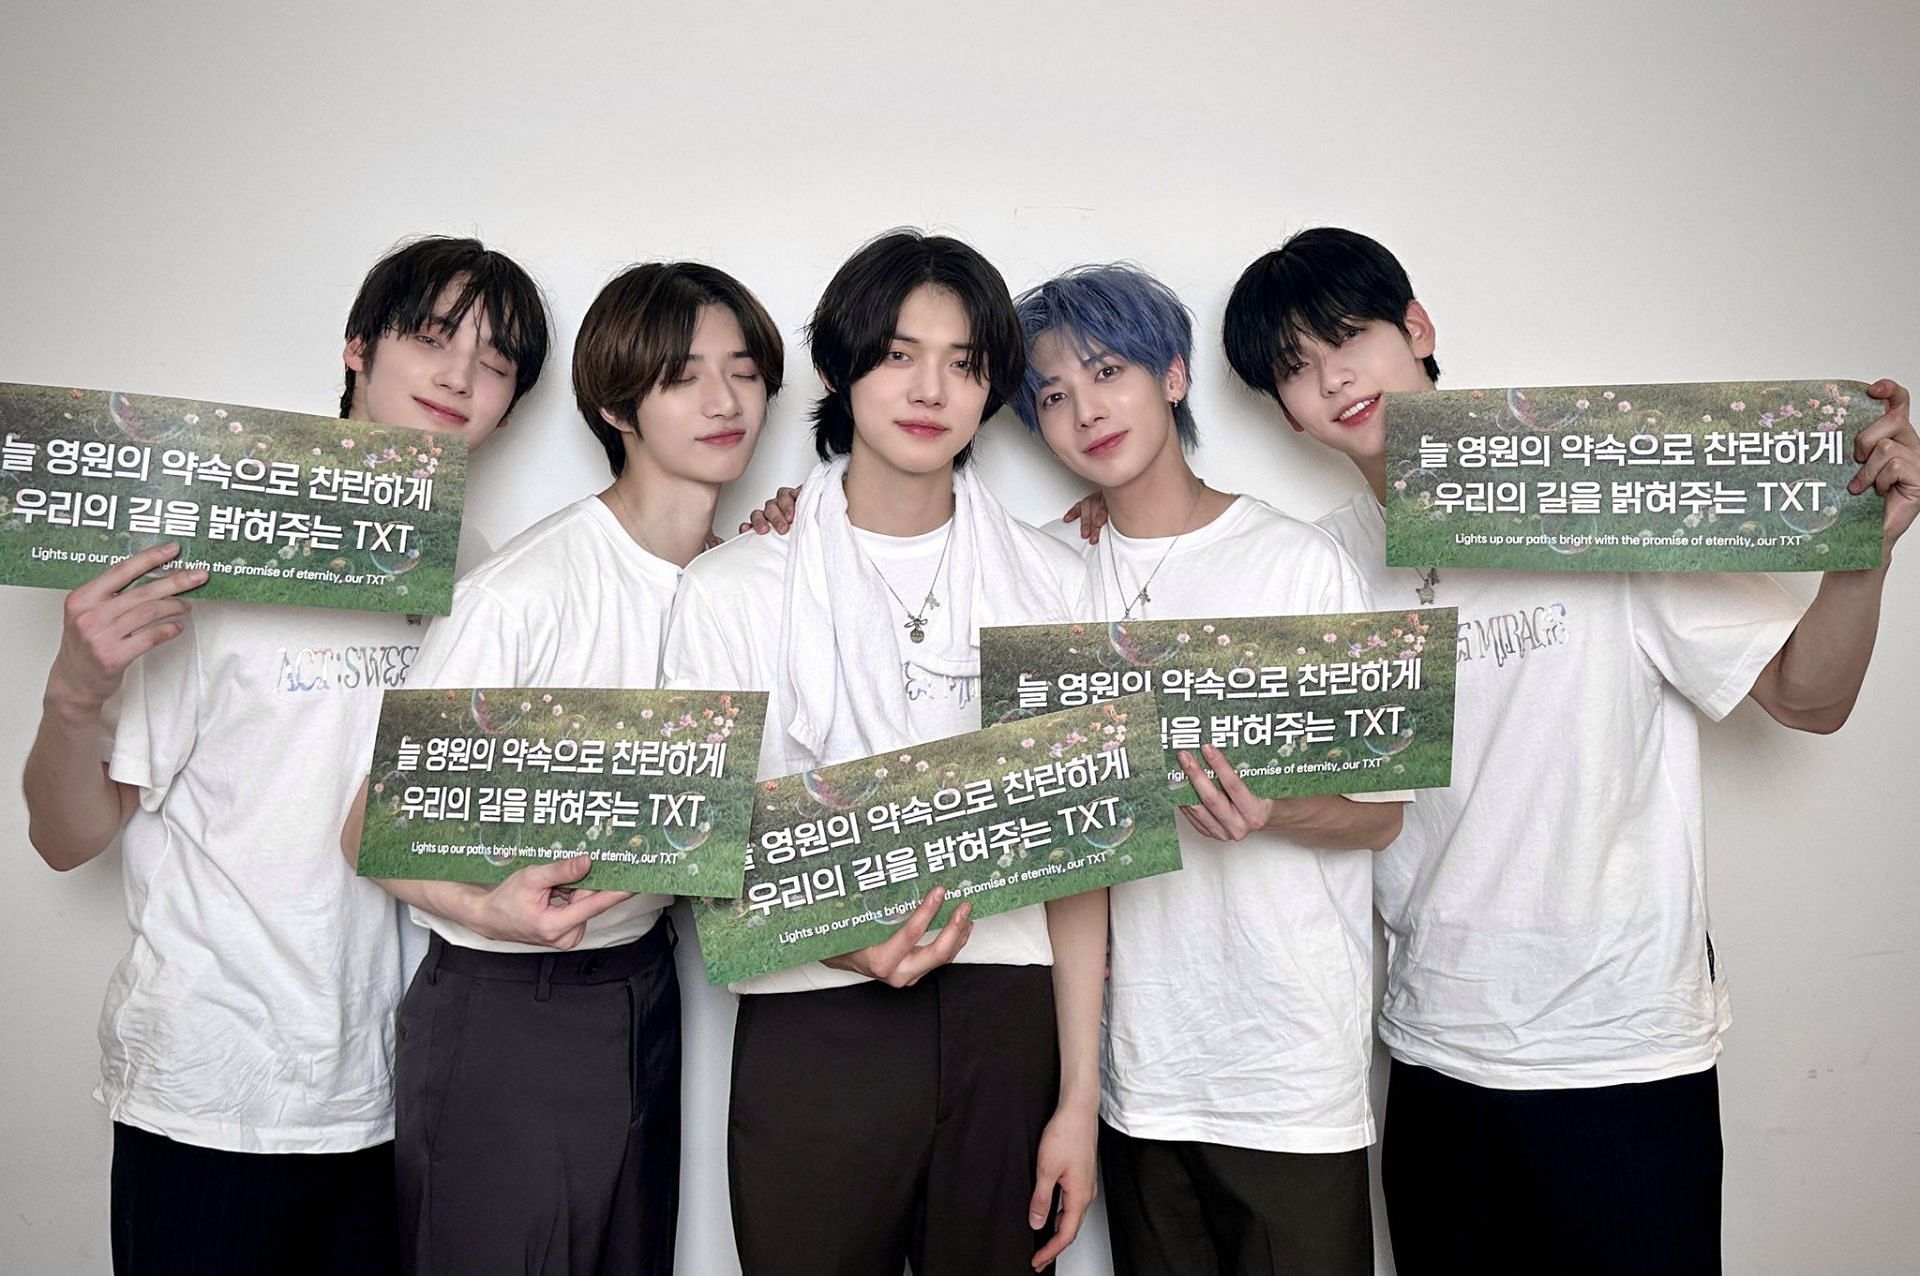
(1300, 705)
(468, 785)
(1006, 817)
(277, 507)
(1739, 476)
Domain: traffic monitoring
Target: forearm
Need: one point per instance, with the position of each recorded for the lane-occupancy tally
(74, 808)
(1812, 683)
(1337, 824)
(1077, 926)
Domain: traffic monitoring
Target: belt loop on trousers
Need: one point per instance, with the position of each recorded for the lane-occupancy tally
(673, 932)
(543, 986)
(435, 946)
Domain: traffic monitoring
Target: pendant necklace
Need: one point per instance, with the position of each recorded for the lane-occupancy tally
(916, 625)
(1141, 598)
(1429, 577)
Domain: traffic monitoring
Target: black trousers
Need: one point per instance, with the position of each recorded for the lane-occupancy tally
(1205, 1209)
(875, 1126)
(1621, 1178)
(537, 1111)
(181, 1210)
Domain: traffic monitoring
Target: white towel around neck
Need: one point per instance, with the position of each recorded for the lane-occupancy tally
(840, 660)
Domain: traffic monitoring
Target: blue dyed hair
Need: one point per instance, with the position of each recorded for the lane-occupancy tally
(1119, 309)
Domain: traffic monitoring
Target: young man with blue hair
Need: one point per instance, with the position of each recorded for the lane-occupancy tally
(1235, 1112)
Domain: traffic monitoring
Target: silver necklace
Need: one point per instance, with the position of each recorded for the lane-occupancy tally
(1142, 598)
(1429, 577)
(916, 625)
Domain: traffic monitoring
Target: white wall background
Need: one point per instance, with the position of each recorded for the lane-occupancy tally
(1604, 192)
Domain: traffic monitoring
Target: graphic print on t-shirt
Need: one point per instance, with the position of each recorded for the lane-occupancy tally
(926, 687)
(1513, 635)
(353, 668)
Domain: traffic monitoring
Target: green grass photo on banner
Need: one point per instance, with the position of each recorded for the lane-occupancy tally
(680, 833)
(1077, 840)
(1699, 477)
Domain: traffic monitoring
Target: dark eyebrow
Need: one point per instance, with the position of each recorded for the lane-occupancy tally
(915, 341)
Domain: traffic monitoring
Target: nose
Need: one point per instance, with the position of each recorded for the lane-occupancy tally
(929, 388)
(458, 367)
(723, 398)
(1336, 373)
(1089, 409)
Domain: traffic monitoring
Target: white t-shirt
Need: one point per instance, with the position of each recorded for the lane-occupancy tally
(570, 602)
(1546, 915)
(726, 633)
(1239, 1007)
(254, 1012)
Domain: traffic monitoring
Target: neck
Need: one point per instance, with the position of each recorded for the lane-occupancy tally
(1165, 499)
(667, 515)
(882, 498)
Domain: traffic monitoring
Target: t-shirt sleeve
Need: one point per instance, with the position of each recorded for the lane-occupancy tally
(156, 717)
(697, 653)
(481, 643)
(1347, 591)
(1711, 635)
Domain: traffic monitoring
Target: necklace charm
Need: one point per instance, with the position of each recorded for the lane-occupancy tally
(916, 628)
(1428, 579)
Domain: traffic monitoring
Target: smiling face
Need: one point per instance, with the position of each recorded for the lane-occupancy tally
(921, 404)
(703, 424)
(1106, 419)
(444, 376)
(1333, 389)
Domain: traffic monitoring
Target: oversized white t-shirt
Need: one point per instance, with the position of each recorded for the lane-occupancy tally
(570, 602)
(1546, 915)
(254, 1011)
(1239, 1007)
(726, 633)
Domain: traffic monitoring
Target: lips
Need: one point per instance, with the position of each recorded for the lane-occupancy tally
(922, 429)
(1359, 412)
(1104, 446)
(440, 413)
(722, 438)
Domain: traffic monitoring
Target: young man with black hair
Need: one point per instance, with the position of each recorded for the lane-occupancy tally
(247, 1034)
(1554, 1003)
(903, 1103)
(1235, 1116)
(578, 1171)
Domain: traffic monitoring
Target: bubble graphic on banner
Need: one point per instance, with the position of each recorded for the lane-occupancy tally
(1415, 484)
(1116, 832)
(687, 837)
(499, 846)
(140, 421)
(842, 794)
(1142, 647)
(1385, 744)
(1548, 410)
(1809, 521)
(496, 713)
(389, 789)
(1568, 533)
(395, 562)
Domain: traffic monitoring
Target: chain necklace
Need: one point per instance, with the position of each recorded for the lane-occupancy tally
(1142, 598)
(916, 625)
(1429, 577)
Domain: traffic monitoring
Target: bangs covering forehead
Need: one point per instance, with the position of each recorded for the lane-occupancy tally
(402, 294)
(1318, 284)
(859, 314)
(1112, 309)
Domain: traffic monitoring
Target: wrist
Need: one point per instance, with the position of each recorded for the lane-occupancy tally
(71, 704)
